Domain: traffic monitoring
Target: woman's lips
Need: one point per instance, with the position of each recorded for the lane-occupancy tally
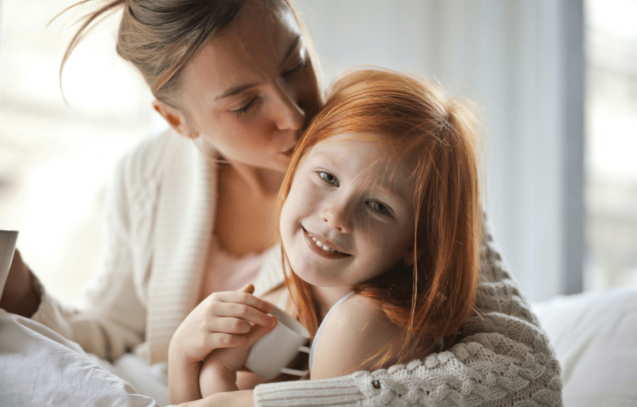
(288, 152)
(330, 253)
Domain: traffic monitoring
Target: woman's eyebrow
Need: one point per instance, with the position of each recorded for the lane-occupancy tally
(291, 48)
(235, 90)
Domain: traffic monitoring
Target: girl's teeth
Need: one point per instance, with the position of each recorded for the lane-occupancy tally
(321, 245)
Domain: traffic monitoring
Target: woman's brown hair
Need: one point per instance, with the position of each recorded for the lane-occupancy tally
(159, 37)
(438, 136)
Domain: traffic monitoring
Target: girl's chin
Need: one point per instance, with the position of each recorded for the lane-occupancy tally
(316, 277)
(307, 272)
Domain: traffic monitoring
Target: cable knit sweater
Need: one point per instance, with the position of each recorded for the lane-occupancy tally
(160, 215)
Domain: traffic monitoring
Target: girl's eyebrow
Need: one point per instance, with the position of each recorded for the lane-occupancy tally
(382, 184)
(235, 90)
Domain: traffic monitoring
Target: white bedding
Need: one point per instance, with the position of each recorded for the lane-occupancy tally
(594, 336)
(40, 368)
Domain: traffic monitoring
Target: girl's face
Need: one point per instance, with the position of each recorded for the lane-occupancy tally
(349, 215)
(251, 89)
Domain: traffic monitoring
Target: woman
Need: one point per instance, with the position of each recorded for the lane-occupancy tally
(236, 81)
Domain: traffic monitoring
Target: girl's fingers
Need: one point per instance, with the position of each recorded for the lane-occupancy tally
(244, 312)
(222, 340)
(239, 297)
(226, 340)
(229, 325)
(259, 331)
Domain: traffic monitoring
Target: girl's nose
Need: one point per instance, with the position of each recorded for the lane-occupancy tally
(289, 115)
(336, 215)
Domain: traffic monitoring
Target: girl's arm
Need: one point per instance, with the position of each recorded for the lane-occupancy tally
(183, 379)
(355, 331)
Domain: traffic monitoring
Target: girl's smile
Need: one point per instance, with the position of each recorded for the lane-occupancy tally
(323, 247)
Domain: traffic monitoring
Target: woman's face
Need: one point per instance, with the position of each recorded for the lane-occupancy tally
(251, 89)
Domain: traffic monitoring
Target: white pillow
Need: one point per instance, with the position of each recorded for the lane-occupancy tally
(595, 338)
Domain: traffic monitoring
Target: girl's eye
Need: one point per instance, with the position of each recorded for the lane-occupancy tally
(296, 69)
(379, 207)
(243, 110)
(329, 178)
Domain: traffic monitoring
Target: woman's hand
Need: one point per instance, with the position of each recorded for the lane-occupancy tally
(19, 296)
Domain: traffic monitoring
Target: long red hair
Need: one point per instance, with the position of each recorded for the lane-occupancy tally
(432, 298)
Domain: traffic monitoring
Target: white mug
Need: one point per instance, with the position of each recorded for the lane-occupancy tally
(269, 356)
(8, 239)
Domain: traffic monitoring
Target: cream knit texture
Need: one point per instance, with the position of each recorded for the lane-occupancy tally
(159, 220)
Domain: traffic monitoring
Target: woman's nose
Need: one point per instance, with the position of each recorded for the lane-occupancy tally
(289, 115)
(337, 216)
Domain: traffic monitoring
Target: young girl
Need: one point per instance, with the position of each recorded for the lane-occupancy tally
(379, 219)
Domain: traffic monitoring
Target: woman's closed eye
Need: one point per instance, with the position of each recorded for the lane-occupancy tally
(244, 109)
(296, 69)
(329, 178)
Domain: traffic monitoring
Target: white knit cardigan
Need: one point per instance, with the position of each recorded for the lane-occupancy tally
(159, 220)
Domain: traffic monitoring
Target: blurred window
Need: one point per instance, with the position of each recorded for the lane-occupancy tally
(611, 121)
(54, 157)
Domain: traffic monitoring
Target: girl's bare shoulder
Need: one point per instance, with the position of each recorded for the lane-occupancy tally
(354, 332)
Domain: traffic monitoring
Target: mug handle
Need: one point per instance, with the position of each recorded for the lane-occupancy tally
(295, 372)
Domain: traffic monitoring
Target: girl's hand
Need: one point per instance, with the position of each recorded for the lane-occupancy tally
(222, 320)
(219, 370)
(19, 296)
(243, 398)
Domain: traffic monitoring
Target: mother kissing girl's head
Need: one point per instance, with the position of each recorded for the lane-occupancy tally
(239, 74)
(190, 237)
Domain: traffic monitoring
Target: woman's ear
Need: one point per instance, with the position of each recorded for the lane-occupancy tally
(175, 118)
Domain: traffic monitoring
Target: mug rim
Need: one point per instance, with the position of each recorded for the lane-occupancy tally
(290, 322)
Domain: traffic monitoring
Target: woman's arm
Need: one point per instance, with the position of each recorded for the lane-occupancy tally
(112, 317)
(502, 358)
(20, 295)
